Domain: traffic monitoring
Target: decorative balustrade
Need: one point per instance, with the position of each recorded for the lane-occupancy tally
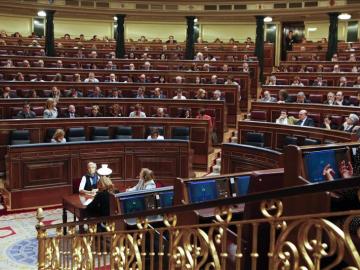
(317, 241)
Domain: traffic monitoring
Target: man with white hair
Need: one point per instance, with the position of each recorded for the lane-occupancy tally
(178, 79)
(267, 97)
(350, 124)
(88, 184)
(304, 120)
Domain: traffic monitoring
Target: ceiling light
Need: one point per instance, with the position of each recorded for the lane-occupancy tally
(267, 19)
(344, 16)
(41, 13)
(312, 29)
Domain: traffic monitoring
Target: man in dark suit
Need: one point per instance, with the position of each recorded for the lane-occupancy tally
(319, 82)
(7, 93)
(304, 120)
(158, 93)
(340, 100)
(26, 112)
(71, 112)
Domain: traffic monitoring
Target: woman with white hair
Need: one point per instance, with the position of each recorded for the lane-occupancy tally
(350, 124)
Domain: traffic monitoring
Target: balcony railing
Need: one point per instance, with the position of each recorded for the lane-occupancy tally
(317, 241)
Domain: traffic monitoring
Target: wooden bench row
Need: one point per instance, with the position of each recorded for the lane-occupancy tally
(269, 112)
(275, 135)
(307, 78)
(230, 93)
(133, 76)
(316, 94)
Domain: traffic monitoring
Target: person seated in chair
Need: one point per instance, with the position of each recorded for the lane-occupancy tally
(330, 99)
(284, 119)
(340, 100)
(26, 112)
(6, 93)
(59, 136)
(95, 111)
(155, 135)
(115, 110)
(267, 97)
(97, 93)
(217, 95)
(146, 181)
(301, 98)
(71, 112)
(137, 112)
(158, 93)
(350, 125)
(88, 184)
(304, 120)
(160, 112)
(319, 82)
(100, 205)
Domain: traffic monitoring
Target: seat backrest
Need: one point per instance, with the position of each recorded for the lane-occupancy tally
(309, 141)
(290, 140)
(100, 133)
(49, 134)
(180, 133)
(316, 98)
(76, 134)
(257, 115)
(123, 132)
(255, 139)
(354, 100)
(19, 137)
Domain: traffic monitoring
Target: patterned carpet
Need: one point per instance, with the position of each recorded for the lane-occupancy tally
(18, 239)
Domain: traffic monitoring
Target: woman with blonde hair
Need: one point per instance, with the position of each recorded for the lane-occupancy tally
(100, 206)
(59, 136)
(50, 109)
(146, 180)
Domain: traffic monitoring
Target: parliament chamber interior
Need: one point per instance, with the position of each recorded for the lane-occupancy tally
(182, 135)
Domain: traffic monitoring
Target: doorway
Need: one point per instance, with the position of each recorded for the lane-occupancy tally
(298, 29)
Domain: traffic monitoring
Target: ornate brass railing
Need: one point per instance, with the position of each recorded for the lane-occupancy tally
(317, 241)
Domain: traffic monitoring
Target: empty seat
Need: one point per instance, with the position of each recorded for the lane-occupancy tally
(19, 137)
(255, 139)
(123, 133)
(290, 140)
(309, 141)
(76, 134)
(354, 100)
(180, 133)
(258, 115)
(100, 133)
(316, 98)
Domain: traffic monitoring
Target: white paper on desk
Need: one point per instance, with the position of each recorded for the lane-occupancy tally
(88, 201)
(85, 201)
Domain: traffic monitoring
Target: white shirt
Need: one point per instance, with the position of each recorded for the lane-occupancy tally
(55, 141)
(143, 186)
(158, 138)
(88, 80)
(182, 97)
(133, 114)
(83, 182)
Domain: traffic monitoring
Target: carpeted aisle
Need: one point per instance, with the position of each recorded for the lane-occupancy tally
(18, 243)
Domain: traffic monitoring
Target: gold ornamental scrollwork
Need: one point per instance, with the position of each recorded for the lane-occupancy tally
(316, 239)
(170, 220)
(223, 211)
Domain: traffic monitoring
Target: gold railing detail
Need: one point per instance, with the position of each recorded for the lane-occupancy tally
(290, 243)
